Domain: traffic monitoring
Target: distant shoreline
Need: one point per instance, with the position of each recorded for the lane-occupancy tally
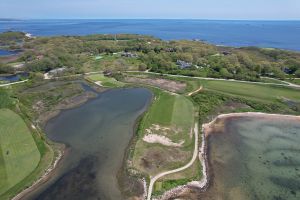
(210, 31)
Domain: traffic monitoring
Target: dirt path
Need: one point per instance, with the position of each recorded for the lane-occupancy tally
(8, 84)
(221, 79)
(194, 92)
(195, 156)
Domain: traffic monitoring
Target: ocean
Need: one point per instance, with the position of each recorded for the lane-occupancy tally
(271, 34)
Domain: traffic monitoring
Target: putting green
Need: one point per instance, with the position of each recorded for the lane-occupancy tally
(19, 155)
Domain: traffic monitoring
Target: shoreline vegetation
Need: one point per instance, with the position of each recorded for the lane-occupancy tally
(58, 149)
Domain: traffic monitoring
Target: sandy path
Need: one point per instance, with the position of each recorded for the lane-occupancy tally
(221, 79)
(13, 83)
(194, 92)
(195, 155)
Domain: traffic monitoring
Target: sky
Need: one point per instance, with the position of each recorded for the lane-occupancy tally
(151, 9)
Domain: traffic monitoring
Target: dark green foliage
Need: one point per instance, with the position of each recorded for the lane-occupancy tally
(209, 102)
(11, 38)
(44, 54)
(6, 99)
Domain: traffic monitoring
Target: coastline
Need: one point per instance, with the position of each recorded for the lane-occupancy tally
(43, 179)
(70, 103)
(125, 166)
(203, 184)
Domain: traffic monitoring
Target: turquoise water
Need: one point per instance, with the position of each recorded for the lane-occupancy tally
(97, 135)
(255, 158)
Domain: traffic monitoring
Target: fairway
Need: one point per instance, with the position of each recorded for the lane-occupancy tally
(170, 118)
(253, 91)
(19, 155)
(171, 111)
(105, 81)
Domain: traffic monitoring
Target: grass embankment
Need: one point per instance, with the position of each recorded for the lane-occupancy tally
(171, 116)
(252, 91)
(19, 153)
(30, 101)
(104, 81)
(23, 154)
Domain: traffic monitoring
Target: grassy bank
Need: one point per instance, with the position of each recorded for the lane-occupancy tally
(32, 102)
(19, 152)
(171, 117)
(25, 154)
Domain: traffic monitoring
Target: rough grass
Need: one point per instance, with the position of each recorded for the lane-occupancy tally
(294, 81)
(20, 155)
(105, 81)
(253, 91)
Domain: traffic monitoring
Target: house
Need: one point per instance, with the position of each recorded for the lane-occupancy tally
(129, 55)
(107, 73)
(183, 64)
(287, 70)
(225, 53)
(170, 50)
(57, 72)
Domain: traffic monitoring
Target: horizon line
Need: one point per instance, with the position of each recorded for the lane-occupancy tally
(203, 19)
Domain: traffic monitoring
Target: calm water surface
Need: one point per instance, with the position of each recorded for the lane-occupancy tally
(255, 158)
(7, 53)
(277, 34)
(97, 134)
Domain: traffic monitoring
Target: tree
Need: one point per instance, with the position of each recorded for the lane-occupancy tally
(224, 73)
(142, 67)
(297, 73)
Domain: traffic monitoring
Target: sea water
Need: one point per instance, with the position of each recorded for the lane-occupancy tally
(255, 158)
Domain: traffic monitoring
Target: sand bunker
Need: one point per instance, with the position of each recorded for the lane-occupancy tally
(170, 85)
(153, 138)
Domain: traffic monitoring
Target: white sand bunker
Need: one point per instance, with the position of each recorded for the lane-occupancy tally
(98, 83)
(153, 138)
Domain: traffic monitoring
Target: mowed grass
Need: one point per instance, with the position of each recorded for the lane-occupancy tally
(19, 155)
(171, 110)
(174, 115)
(253, 91)
(105, 81)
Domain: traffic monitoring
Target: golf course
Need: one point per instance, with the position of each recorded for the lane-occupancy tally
(19, 155)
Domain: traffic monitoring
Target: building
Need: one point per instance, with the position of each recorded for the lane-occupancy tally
(129, 55)
(183, 64)
(57, 72)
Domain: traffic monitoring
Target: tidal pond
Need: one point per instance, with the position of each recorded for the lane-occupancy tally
(8, 53)
(254, 158)
(97, 135)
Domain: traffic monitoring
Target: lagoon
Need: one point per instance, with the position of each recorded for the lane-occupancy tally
(97, 135)
(8, 53)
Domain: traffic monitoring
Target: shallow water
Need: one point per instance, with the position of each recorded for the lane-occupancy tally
(14, 77)
(255, 158)
(97, 134)
(8, 53)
